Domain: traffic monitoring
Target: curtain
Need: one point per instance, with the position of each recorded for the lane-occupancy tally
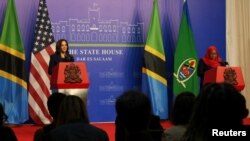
(238, 39)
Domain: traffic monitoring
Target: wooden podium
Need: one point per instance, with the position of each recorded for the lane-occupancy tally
(70, 78)
(232, 75)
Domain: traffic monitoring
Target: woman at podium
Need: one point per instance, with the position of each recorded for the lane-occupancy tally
(61, 54)
(211, 60)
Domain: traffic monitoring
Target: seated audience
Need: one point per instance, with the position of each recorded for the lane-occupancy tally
(53, 104)
(180, 116)
(134, 119)
(6, 133)
(73, 123)
(218, 107)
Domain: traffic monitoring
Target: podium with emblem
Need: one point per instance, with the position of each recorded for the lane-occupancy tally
(232, 75)
(70, 78)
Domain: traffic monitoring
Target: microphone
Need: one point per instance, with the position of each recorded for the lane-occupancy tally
(224, 63)
(69, 58)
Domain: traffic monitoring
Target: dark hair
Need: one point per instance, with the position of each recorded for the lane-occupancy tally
(182, 109)
(58, 46)
(219, 106)
(3, 116)
(72, 109)
(134, 110)
(53, 104)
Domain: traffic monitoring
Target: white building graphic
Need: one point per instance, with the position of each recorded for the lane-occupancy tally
(97, 30)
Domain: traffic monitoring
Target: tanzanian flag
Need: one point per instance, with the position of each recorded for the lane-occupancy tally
(185, 58)
(154, 82)
(13, 89)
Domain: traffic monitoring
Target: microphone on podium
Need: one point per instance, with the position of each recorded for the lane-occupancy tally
(224, 63)
(69, 58)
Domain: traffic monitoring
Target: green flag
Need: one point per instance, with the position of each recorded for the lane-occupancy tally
(11, 40)
(13, 88)
(154, 80)
(185, 58)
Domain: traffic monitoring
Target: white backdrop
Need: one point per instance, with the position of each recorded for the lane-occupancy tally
(238, 39)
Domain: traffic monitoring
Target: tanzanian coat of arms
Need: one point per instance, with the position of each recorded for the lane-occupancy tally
(72, 74)
(185, 71)
(230, 76)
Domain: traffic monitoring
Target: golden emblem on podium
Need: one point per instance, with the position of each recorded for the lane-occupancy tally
(230, 76)
(72, 74)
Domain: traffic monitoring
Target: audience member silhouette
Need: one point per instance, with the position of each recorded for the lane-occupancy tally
(53, 104)
(180, 116)
(218, 106)
(6, 133)
(134, 119)
(73, 123)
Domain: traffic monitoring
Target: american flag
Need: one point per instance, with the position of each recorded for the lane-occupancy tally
(39, 80)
